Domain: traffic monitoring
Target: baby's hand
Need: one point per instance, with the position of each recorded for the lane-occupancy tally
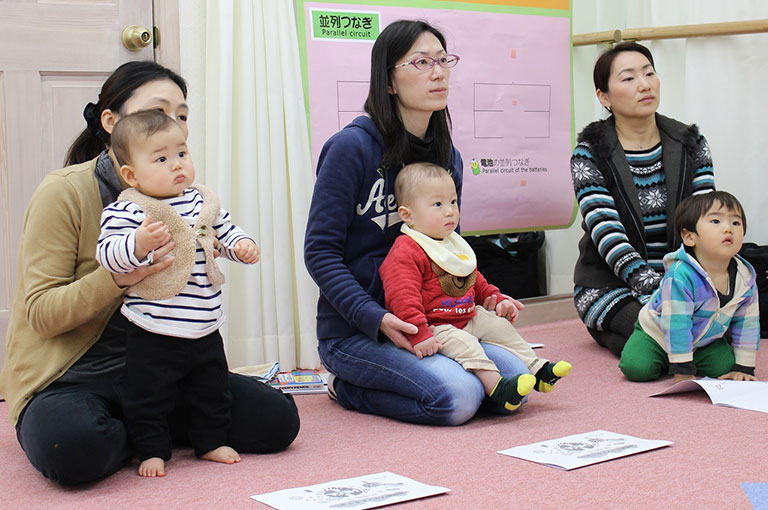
(738, 376)
(508, 310)
(150, 236)
(683, 377)
(428, 347)
(247, 251)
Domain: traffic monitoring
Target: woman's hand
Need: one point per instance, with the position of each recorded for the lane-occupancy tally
(395, 329)
(160, 262)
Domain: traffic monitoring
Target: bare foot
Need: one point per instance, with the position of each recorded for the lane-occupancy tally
(152, 467)
(223, 454)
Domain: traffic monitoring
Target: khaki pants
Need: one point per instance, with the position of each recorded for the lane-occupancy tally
(463, 345)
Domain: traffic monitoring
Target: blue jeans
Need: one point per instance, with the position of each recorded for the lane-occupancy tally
(380, 378)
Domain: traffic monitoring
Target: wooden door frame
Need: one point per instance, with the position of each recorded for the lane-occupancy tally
(166, 19)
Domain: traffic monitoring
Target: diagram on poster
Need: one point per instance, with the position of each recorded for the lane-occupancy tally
(526, 107)
(509, 100)
(359, 493)
(580, 450)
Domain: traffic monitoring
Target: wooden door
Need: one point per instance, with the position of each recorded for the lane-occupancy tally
(54, 56)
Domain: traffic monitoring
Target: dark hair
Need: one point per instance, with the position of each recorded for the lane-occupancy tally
(394, 42)
(408, 179)
(142, 124)
(690, 210)
(602, 71)
(118, 88)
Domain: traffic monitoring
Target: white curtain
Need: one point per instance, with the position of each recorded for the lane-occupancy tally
(717, 83)
(249, 141)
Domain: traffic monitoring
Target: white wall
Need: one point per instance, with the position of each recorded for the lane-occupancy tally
(719, 83)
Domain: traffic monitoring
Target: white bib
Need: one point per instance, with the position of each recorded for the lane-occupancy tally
(453, 254)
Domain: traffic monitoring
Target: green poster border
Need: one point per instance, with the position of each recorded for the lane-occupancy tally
(457, 6)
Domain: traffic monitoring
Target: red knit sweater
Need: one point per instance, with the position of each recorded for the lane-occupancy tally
(412, 291)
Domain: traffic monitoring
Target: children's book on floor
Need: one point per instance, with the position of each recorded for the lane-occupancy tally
(751, 395)
(301, 381)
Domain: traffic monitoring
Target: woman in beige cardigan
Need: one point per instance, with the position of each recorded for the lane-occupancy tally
(66, 338)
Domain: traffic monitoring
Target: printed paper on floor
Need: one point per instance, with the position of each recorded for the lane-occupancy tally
(579, 450)
(359, 493)
(751, 395)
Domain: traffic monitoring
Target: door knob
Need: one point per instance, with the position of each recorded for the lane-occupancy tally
(136, 37)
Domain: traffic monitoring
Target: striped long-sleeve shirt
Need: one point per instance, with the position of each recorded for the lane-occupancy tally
(196, 311)
(598, 208)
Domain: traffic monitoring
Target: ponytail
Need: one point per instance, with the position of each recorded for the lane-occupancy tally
(118, 88)
(91, 141)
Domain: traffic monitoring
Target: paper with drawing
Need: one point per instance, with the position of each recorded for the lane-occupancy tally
(359, 493)
(579, 450)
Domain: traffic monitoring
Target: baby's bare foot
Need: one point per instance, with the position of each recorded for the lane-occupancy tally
(223, 454)
(152, 467)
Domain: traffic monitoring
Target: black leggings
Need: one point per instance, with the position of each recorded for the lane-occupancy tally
(75, 433)
(619, 329)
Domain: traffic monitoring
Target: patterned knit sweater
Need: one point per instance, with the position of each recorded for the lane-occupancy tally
(651, 183)
(608, 209)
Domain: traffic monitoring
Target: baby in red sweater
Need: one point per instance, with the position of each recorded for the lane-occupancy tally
(431, 280)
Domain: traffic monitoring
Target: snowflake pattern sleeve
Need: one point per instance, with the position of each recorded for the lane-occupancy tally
(602, 221)
(704, 178)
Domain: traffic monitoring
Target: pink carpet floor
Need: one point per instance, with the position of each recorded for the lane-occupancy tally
(715, 449)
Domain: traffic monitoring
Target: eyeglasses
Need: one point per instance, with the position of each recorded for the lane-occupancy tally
(427, 63)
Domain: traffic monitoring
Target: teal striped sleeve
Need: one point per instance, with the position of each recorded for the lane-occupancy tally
(602, 221)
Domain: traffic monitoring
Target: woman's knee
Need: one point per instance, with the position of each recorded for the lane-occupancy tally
(456, 402)
(73, 447)
(264, 419)
(286, 423)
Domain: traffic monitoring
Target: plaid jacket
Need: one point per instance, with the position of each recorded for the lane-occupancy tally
(684, 313)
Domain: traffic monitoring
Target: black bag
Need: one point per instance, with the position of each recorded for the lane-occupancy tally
(510, 262)
(758, 256)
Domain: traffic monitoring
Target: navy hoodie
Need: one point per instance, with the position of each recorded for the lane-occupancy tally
(352, 224)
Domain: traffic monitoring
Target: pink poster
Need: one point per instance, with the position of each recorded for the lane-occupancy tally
(509, 100)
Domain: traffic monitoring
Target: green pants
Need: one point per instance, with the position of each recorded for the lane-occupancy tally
(643, 359)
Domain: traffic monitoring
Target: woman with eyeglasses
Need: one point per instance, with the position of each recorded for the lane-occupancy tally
(353, 222)
(629, 173)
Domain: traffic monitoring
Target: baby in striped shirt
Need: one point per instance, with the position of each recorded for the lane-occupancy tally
(172, 344)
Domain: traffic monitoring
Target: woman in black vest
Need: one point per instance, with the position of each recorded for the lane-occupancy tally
(629, 173)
